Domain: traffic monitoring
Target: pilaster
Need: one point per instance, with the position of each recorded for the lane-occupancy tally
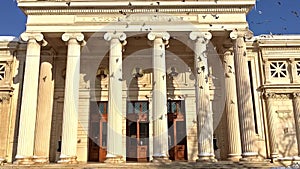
(296, 107)
(269, 98)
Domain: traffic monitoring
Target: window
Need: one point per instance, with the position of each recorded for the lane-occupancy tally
(175, 106)
(102, 107)
(278, 69)
(137, 107)
(2, 71)
(298, 68)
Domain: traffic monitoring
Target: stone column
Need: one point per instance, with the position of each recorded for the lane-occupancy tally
(71, 97)
(203, 105)
(245, 105)
(231, 108)
(44, 110)
(114, 133)
(29, 98)
(296, 106)
(159, 97)
(269, 98)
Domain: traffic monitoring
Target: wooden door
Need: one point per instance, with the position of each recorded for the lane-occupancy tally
(177, 130)
(137, 131)
(98, 133)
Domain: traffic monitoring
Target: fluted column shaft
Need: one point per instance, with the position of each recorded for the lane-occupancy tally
(29, 98)
(44, 111)
(231, 108)
(114, 133)
(71, 97)
(269, 97)
(296, 107)
(203, 105)
(159, 96)
(245, 105)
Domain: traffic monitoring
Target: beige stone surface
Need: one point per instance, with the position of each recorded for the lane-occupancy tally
(272, 130)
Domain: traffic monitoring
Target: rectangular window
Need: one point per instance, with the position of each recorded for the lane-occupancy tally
(2, 71)
(298, 68)
(102, 107)
(278, 69)
(136, 107)
(253, 97)
(175, 106)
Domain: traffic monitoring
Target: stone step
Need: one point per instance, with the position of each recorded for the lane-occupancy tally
(172, 165)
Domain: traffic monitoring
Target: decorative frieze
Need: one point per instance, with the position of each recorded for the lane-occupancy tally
(4, 98)
(279, 96)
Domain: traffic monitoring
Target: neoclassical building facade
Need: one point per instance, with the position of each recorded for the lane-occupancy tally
(147, 81)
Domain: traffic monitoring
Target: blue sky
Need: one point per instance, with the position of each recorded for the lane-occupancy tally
(269, 16)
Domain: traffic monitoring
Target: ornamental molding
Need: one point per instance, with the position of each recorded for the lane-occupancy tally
(280, 49)
(278, 96)
(192, 9)
(5, 97)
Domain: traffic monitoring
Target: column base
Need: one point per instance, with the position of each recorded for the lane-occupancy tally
(114, 160)
(206, 158)
(288, 161)
(234, 157)
(2, 161)
(161, 159)
(250, 157)
(41, 160)
(68, 160)
(23, 160)
(274, 158)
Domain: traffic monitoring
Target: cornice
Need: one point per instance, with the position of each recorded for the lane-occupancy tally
(60, 8)
(279, 88)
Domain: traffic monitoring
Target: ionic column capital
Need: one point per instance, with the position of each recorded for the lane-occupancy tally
(79, 37)
(241, 34)
(115, 35)
(296, 95)
(200, 35)
(38, 37)
(163, 35)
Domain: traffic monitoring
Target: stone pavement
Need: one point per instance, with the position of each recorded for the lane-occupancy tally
(171, 165)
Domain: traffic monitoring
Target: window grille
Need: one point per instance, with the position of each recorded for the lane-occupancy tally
(2, 71)
(278, 69)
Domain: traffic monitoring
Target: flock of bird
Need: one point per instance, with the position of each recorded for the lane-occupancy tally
(282, 19)
(257, 20)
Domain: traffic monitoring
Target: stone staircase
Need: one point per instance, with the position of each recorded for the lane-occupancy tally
(171, 165)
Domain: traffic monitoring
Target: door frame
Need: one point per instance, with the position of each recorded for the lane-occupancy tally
(176, 115)
(138, 116)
